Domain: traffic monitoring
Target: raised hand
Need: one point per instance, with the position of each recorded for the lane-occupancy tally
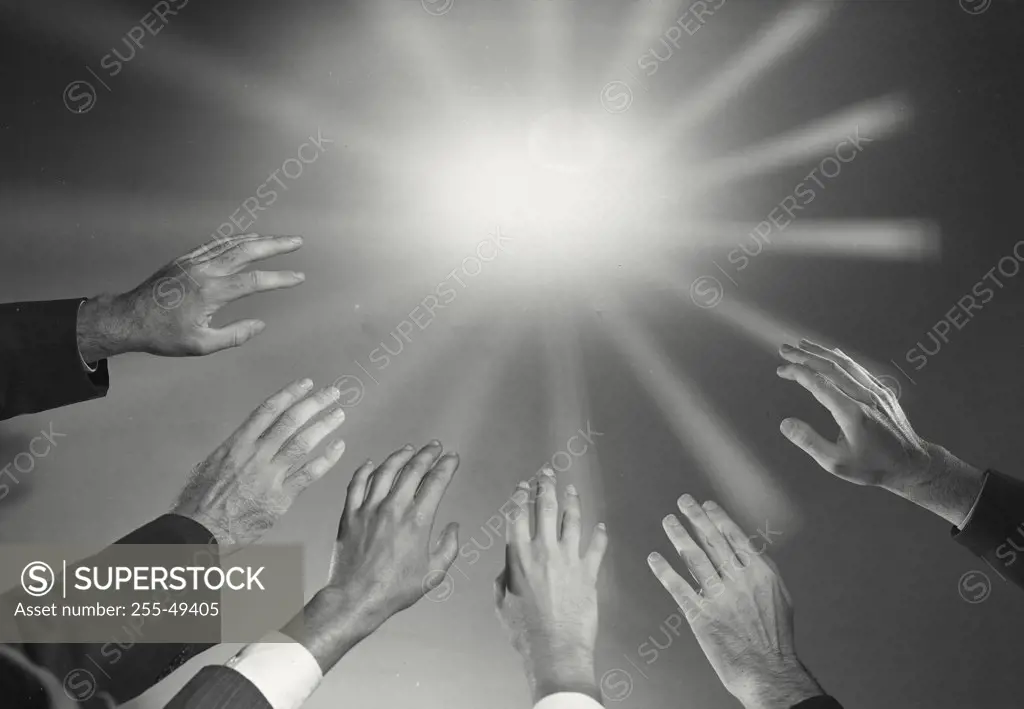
(251, 480)
(876, 445)
(385, 559)
(170, 313)
(741, 612)
(546, 596)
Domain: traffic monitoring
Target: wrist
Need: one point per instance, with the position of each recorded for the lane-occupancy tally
(781, 689)
(330, 625)
(562, 669)
(104, 328)
(945, 486)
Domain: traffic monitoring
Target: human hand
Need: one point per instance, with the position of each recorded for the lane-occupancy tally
(384, 561)
(546, 596)
(876, 445)
(741, 612)
(251, 480)
(170, 313)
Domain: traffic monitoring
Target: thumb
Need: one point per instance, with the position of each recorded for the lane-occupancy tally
(234, 335)
(446, 549)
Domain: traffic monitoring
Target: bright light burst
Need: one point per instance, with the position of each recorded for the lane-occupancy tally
(566, 186)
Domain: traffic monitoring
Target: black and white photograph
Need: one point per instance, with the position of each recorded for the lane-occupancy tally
(511, 354)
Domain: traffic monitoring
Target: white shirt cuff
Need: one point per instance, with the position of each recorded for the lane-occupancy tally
(282, 669)
(970, 513)
(567, 700)
(89, 368)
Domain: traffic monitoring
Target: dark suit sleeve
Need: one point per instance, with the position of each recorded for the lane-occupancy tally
(126, 672)
(995, 529)
(821, 702)
(40, 366)
(219, 687)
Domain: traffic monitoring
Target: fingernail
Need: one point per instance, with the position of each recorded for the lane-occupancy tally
(653, 557)
(523, 485)
(258, 327)
(338, 414)
(710, 505)
(337, 446)
(300, 275)
(407, 447)
(548, 472)
(786, 426)
(670, 520)
(435, 442)
(780, 370)
(686, 500)
(306, 383)
(295, 239)
(602, 526)
(333, 392)
(571, 489)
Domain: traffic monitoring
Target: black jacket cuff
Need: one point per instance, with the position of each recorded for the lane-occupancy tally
(44, 368)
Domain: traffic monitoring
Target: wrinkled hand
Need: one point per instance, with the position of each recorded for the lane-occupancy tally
(546, 596)
(384, 561)
(876, 445)
(741, 612)
(170, 313)
(251, 480)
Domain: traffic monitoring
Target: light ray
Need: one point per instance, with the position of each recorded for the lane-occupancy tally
(189, 68)
(746, 488)
(568, 403)
(861, 124)
(789, 33)
(768, 331)
(870, 239)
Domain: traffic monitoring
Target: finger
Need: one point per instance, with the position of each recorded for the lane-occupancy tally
(843, 360)
(234, 335)
(829, 368)
(233, 260)
(546, 508)
(860, 372)
(209, 250)
(305, 441)
(708, 536)
(267, 412)
(676, 585)
(409, 478)
(446, 549)
(435, 483)
(843, 409)
(517, 528)
(743, 550)
(782, 582)
(231, 288)
(357, 487)
(596, 550)
(295, 483)
(295, 417)
(824, 452)
(697, 561)
(569, 533)
(384, 476)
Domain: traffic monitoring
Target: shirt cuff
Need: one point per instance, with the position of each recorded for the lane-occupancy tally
(567, 700)
(283, 670)
(90, 368)
(970, 513)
